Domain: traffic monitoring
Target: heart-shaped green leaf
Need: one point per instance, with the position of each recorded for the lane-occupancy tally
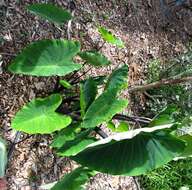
(73, 147)
(103, 109)
(75, 180)
(47, 58)
(109, 37)
(131, 153)
(88, 92)
(94, 58)
(118, 79)
(3, 157)
(50, 12)
(39, 116)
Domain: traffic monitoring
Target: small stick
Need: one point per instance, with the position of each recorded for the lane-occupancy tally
(158, 84)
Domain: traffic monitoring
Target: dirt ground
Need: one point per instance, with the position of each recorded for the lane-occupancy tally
(147, 33)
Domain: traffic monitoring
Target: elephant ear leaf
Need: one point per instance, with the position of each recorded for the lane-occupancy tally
(132, 153)
(118, 79)
(75, 180)
(3, 157)
(39, 116)
(109, 37)
(88, 92)
(94, 58)
(103, 109)
(47, 58)
(50, 12)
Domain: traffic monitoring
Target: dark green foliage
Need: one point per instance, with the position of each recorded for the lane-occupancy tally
(172, 176)
(88, 92)
(131, 153)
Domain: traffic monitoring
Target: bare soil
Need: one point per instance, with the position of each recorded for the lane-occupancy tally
(148, 34)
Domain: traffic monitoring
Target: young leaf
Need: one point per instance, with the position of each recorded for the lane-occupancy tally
(111, 126)
(75, 180)
(65, 84)
(47, 58)
(122, 127)
(103, 109)
(118, 79)
(109, 37)
(67, 134)
(88, 92)
(73, 147)
(3, 157)
(50, 12)
(94, 58)
(39, 116)
(132, 153)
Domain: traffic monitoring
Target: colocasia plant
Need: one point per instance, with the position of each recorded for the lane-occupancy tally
(74, 117)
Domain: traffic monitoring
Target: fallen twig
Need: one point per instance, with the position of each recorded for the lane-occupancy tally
(158, 84)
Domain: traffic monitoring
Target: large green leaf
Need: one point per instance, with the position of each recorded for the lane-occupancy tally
(103, 109)
(47, 58)
(94, 58)
(73, 147)
(66, 134)
(50, 12)
(75, 180)
(118, 78)
(131, 153)
(3, 157)
(39, 116)
(109, 37)
(88, 92)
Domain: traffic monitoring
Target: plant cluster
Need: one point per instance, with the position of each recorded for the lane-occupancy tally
(72, 117)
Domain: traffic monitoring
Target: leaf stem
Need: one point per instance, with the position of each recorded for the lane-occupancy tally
(143, 120)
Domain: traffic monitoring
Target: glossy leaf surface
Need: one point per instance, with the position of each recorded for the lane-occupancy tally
(39, 116)
(88, 92)
(132, 153)
(103, 109)
(47, 58)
